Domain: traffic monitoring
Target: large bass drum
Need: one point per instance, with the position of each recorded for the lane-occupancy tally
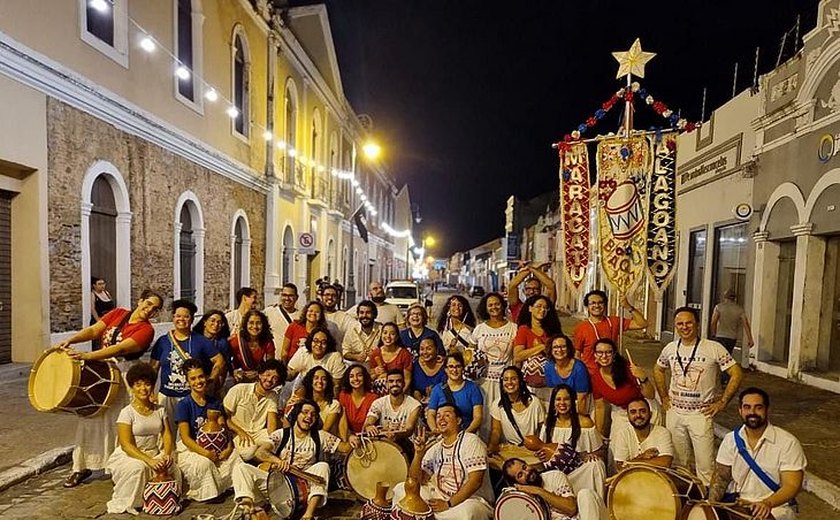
(376, 461)
(59, 383)
(652, 493)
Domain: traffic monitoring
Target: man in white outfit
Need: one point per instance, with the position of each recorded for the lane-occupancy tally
(282, 314)
(644, 442)
(694, 398)
(777, 454)
(453, 471)
(554, 488)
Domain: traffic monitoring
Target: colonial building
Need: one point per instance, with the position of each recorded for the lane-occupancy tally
(185, 146)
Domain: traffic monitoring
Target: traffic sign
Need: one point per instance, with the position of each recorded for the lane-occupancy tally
(306, 244)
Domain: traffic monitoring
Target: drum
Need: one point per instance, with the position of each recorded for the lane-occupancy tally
(216, 441)
(161, 498)
(376, 461)
(516, 505)
(288, 494)
(717, 511)
(398, 513)
(650, 492)
(533, 370)
(58, 383)
(509, 451)
(475, 363)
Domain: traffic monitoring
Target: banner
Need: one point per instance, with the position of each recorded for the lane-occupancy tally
(662, 214)
(623, 168)
(360, 218)
(574, 204)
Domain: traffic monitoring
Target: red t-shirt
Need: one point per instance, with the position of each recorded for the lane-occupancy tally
(525, 336)
(262, 353)
(620, 396)
(356, 416)
(297, 338)
(141, 332)
(588, 332)
(402, 361)
(515, 309)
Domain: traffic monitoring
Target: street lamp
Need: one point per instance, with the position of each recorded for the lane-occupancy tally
(372, 150)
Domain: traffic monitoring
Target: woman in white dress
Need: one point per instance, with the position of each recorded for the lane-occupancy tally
(572, 444)
(456, 323)
(494, 338)
(516, 414)
(145, 446)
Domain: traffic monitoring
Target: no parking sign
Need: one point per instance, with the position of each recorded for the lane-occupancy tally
(306, 244)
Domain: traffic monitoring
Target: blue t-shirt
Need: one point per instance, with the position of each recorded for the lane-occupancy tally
(468, 396)
(420, 381)
(187, 410)
(412, 342)
(173, 382)
(578, 379)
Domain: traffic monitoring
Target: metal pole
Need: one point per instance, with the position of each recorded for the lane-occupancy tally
(351, 278)
(604, 137)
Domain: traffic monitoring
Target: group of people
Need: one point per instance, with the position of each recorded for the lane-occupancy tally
(480, 401)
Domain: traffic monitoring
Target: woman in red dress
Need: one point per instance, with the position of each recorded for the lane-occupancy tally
(388, 355)
(355, 398)
(253, 345)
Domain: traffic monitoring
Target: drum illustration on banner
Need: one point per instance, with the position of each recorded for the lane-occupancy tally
(623, 167)
(662, 214)
(574, 204)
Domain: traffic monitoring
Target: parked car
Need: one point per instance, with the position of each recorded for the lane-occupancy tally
(476, 291)
(402, 293)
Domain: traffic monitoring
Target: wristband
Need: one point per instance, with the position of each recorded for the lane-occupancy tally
(449, 503)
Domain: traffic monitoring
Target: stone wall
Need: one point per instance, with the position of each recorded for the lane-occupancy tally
(155, 178)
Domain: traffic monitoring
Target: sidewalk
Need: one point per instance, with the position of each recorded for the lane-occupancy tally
(807, 412)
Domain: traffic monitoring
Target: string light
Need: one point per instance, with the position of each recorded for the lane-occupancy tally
(149, 44)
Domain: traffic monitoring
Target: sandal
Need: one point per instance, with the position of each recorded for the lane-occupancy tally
(77, 477)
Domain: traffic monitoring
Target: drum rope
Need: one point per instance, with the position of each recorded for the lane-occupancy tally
(366, 452)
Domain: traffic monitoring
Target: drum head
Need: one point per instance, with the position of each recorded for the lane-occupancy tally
(282, 494)
(643, 493)
(516, 505)
(699, 512)
(382, 461)
(53, 376)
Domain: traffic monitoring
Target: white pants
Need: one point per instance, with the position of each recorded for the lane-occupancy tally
(590, 506)
(130, 476)
(168, 403)
(693, 430)
(589, 476)
(260, 438)
(248, 480)
(205, 480)
(473, 508)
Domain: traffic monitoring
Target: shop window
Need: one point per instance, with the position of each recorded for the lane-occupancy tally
(828, 352)
(696, 268)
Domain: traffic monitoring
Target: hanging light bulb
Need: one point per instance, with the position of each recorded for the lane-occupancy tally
(182, 72)
(267, 135)
(147, 44)
(232, 112)
(281, 144)
(99, 5)
(211, 95)
(292, 152)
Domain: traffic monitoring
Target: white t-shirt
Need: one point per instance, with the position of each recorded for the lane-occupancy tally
(497, 344)
(449, 338)
(694, 379)
(390, 418)
(556, 483)
(302, 362)
(249, 411)
(341, 324)
(277, 322)
(528, 420)
(145, 428)
(450, 466)
(388, 312)
(777, 450)
(304, 447)
(589, 440)
(625, 443)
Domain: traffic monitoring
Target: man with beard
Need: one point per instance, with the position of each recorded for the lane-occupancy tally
(536, 280)
(303, 446)
(246, 299)
(599, 325)
(554, 489)
(394, 415)
(385, 312)
(252, 408)
(761, 464)
(453, 471)
(364, 336)
(644, 442)
(281, 315)
(339, 322)
(694, 398)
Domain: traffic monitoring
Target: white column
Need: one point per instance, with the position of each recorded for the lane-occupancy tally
(123, 260)
(807, 299)
(176, 271)
(85, 256)
(273, 244)
(765, 277)
(198, 234)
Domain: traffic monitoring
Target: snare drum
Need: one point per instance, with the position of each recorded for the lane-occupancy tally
(650, 492)
(707, 511)
(288, 494)
(516, 505)
(376, 461)
(59, 383)
(161, 498)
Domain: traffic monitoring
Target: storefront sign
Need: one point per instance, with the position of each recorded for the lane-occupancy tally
(623, 166)
(719, 162)
(661, 230)
(574, 203)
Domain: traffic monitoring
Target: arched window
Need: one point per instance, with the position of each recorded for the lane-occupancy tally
(189, 250)
(241, 87)
(331, 259)
(240, 248)
(186, 55)
(103, 233)
(288, 254)
(291, 132)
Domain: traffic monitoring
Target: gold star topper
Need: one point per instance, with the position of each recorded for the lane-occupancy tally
(633, 61)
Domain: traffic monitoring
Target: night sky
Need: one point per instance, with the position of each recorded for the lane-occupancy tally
(466, 96)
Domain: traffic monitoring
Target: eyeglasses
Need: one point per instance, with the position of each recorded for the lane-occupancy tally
(604, 353)
(284, 295)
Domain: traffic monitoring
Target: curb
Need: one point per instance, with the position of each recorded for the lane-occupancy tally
(35, 466)
(821, 488)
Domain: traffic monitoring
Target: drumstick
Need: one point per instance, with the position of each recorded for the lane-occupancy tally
(306, 476)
